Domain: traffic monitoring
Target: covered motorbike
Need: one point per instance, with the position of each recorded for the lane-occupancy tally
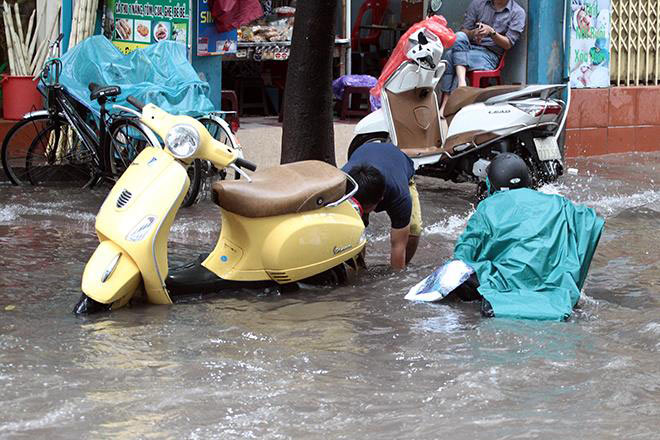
(524, 253)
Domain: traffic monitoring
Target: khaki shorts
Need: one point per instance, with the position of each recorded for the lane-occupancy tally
(416, 215)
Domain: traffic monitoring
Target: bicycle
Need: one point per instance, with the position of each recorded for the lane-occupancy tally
(64, 147)
(59, 145)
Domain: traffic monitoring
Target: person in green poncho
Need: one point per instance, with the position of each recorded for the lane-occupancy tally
(530, 251)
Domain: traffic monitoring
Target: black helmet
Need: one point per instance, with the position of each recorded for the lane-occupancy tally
(508, 171)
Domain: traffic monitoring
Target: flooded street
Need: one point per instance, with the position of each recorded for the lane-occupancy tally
(352, 362)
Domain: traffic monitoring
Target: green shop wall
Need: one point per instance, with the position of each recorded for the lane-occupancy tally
(209, 67)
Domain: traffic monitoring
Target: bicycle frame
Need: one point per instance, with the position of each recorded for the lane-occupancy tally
(59, 102)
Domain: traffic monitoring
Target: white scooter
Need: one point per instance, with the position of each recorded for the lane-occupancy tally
(476, 124)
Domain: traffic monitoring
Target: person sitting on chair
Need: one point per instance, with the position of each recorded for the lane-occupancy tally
(491, 27)
(385, 176)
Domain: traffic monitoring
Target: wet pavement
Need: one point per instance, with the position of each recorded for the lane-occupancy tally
(351, 362)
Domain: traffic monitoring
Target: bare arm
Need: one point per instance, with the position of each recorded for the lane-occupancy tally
(398, 243)
(502, 41)
(485, 30)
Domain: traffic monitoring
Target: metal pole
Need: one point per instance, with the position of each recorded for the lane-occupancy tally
(347, 25)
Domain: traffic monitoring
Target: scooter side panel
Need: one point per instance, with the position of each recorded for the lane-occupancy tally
(501, 119)
(374, 122)
(153, 188)
(294, 246)
(110, 274)
(312, 243)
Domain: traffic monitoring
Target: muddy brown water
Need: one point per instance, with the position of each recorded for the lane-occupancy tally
(351, 362)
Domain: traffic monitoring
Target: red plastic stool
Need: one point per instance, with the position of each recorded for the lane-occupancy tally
(476, 77)
(354, 108)
(230, 97)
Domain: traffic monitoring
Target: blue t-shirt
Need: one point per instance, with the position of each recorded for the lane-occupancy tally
(397, 169)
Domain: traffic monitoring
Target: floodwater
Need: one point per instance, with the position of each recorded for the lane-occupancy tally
(352, 362)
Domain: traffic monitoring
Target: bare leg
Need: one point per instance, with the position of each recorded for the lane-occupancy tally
(443, 103)
(461, 72)
(411, 247)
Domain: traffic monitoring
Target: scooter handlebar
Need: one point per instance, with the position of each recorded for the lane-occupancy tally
(240, 162)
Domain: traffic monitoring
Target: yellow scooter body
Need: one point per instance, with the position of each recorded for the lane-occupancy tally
(134, 221)
(286, 248)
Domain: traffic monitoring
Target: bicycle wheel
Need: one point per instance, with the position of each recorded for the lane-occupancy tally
(16, 144)
(126, 140)
(195, 175)
(58, 157)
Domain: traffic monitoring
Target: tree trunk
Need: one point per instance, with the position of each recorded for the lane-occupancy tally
(307, 131)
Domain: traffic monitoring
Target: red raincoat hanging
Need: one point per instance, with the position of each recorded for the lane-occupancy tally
(232, 14)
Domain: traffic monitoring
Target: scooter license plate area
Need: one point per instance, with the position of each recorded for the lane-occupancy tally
(547, 148)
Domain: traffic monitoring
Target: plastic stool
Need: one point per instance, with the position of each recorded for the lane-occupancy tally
(354, 108)
(243, 86)
(476, 77)
(229, 97)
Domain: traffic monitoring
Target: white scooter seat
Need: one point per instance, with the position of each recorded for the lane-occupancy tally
(284, 189)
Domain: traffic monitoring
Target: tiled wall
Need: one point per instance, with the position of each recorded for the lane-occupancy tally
(614, 120)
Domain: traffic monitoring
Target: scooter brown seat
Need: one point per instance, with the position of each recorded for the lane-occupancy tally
(284, 189)
(464, 96)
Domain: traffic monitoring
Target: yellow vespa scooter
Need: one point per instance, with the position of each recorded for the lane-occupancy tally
(284, 224)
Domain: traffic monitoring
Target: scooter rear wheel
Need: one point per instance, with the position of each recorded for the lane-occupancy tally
(367, 138)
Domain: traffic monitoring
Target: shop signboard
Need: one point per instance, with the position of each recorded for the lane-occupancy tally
(209, 40)
(138, 23)
(590, 43)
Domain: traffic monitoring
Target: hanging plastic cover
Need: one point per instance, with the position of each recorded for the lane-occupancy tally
(436, 24)
(159, 74)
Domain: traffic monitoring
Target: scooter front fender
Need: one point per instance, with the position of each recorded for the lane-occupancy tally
(110, 274)
(374, 122)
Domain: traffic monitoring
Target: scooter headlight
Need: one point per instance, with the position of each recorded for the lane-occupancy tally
(182, 140)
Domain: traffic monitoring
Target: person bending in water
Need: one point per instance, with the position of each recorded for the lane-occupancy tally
(385, 176)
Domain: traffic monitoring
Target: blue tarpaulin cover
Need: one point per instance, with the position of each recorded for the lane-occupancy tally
(159, 74)
(531, 252)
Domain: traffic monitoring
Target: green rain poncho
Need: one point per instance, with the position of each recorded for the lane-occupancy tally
(531, 252)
